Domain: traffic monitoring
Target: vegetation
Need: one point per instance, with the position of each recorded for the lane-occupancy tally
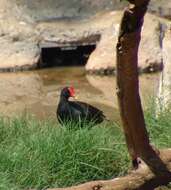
(41, 154)
(36, 154)
(159, 127)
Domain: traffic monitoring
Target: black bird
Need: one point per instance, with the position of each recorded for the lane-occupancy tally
(75, 111)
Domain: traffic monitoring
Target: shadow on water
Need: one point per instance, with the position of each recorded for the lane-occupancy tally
(37, 92)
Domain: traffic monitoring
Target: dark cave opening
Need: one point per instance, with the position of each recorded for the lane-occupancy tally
(65, 56)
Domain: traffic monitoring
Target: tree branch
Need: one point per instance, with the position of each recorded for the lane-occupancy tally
(141, 179)
(128, 89)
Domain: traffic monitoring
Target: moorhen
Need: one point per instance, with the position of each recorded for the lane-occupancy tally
(76, 111)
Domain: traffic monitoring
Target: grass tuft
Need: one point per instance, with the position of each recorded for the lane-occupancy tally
(41, 154)
(36, 154)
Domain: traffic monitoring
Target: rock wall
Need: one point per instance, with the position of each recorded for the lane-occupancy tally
(26, 25)
(103, 59)
(164, 94)
(161, 8)
(43, 10)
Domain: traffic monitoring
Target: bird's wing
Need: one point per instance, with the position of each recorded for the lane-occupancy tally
(75, 110)
(87, 110)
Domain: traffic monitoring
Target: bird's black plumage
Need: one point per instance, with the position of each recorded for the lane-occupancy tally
(77, 111)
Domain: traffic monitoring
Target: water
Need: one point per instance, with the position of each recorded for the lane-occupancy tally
(37, 92)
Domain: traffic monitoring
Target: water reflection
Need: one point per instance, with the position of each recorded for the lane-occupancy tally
(37, 92)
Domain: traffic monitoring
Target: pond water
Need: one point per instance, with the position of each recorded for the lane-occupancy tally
(37, 92)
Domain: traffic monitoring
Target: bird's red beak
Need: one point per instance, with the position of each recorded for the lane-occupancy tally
(71, 91)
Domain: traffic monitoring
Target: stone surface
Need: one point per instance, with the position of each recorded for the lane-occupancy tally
(150, 54)
(27, 25)
(41, 10)
(161, 8)
(104, 58)
(164, 94)
(19, 55)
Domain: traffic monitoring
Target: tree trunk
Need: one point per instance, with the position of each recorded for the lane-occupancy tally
(128, 87)
(127, 81)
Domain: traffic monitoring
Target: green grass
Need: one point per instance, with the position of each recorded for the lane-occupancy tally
(36, 154)
(159, 127)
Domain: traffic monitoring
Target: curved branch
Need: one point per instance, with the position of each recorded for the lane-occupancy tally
(141, 179)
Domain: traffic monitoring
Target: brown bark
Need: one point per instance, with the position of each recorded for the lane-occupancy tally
(128, 88)
(127, 81)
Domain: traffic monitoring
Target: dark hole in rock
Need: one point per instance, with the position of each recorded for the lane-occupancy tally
(65, 56)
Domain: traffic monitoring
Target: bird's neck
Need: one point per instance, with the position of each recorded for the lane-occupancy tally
(64, 99)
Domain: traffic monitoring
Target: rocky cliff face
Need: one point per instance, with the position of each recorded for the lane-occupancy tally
(103, 59)
(41, 10)
(26, 25)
